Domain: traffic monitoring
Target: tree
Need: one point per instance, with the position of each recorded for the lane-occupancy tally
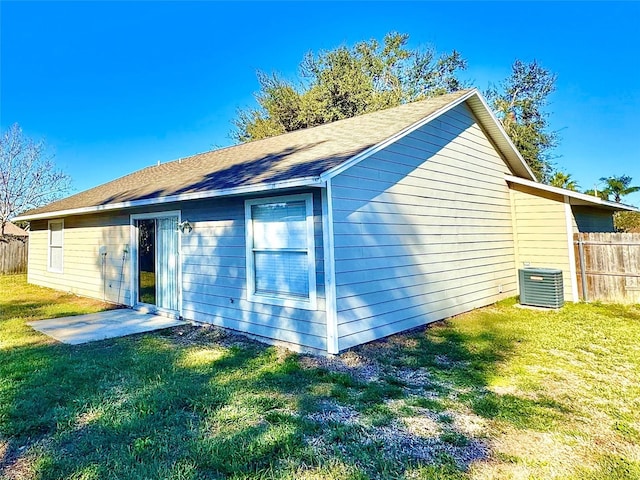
(597, 193)
(346, 82)
(28, 179)
(627, 221)
(563, 180)
(618, 187)
(519, 103)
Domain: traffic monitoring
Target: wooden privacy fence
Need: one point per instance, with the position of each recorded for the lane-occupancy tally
(608, 266)
(13, 254)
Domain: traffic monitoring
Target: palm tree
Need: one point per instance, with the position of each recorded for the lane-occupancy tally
(563, 180)
(597, 193)
(618, 186)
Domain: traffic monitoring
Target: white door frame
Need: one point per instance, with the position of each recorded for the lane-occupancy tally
(134, 262)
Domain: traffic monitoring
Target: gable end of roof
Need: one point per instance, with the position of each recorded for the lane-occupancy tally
(486, 119)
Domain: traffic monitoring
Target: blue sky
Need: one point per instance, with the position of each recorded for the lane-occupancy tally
(117, 86)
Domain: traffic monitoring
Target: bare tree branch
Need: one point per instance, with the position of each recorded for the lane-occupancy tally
(28, 179)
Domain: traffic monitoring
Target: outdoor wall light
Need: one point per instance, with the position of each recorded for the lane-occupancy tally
(185, 226)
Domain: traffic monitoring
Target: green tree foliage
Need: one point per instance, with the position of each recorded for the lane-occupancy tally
(627, 221)
(520, 102)
(597, 193)
(371, 76)
(346, 82)
(563, 180)
(618, 187)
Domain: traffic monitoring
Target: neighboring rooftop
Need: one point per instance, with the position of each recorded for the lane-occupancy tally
(16, 231)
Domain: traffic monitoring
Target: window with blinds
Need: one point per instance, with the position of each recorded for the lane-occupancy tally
(280, 251)
(56, 234)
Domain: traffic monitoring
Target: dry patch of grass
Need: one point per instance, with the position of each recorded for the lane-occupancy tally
(541, 394)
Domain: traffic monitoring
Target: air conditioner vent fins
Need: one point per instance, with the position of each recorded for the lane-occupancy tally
(541, 287)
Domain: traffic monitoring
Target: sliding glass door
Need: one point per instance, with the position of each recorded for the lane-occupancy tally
(157, 263)
(167, 263)
(147, 261)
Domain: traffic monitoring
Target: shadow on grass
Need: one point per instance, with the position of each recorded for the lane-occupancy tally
(153, 406)
(463, 363)
(104, 407)
(32, 310)
(48, 308)
(146, 407)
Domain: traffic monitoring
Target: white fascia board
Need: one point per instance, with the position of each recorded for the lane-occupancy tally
(571, 194)
(332, 172)
(247, 189)
(505, 136)
(568, 215)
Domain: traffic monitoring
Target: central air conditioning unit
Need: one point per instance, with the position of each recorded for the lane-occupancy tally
(541, 287)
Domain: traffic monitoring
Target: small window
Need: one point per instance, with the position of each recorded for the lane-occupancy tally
(56, 234)
(280, 251)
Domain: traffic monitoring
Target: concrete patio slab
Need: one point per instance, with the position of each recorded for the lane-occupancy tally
(99, 326)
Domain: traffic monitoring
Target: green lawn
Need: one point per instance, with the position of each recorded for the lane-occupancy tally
(499, 393)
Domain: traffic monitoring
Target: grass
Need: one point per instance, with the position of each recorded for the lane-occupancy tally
(501, 392)
(147, 287)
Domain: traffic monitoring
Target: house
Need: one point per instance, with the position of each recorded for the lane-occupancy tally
(324, 238)
(14, 246)
(14, 230)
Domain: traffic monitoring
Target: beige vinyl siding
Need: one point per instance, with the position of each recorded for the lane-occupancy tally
(422, 231)
(214, 277)
(541, 232)
(83, 270)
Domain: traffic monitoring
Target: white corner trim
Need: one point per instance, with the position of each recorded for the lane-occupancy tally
(329, 270)
(568, 216)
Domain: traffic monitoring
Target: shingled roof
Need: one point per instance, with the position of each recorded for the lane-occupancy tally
(302, 155)
(14, 230)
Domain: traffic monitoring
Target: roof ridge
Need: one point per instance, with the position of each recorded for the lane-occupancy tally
(456, 94)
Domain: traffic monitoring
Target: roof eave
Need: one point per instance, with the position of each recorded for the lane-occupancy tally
(487, 120)
(243, 190)
(576, 196)
(499, 136)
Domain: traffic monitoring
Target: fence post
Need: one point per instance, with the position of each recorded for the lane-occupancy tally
(583, 268)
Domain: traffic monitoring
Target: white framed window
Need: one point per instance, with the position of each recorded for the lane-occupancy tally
(281, 251)
(56, 240)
